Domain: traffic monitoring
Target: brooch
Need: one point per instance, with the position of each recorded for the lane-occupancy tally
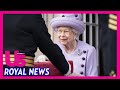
(79, 52)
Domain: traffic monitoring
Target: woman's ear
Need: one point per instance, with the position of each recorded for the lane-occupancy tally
(75, 35)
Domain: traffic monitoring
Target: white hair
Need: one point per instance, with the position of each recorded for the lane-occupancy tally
(77, 33)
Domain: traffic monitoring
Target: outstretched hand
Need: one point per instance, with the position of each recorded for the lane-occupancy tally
(41, 58)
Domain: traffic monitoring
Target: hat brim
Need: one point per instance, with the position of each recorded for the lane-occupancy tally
(62, 21)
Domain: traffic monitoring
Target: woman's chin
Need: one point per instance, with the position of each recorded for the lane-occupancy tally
(63, 43)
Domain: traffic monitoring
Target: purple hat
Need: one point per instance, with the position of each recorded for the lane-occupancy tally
(70, 20)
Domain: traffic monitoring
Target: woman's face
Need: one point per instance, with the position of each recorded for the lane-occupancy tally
(65, 35)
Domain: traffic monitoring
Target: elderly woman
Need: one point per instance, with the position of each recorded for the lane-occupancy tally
(68, 28)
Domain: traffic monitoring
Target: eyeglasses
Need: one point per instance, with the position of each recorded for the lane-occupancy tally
(63, 31)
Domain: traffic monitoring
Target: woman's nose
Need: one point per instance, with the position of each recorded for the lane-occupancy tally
(63, 33)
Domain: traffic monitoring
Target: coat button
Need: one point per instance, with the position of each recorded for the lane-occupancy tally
(82, 65)
(83, 58)
(81, 73)
(84, 51)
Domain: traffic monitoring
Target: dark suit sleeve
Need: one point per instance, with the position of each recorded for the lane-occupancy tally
(36, 26)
